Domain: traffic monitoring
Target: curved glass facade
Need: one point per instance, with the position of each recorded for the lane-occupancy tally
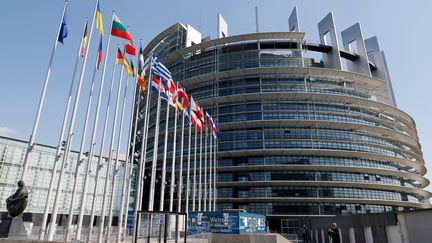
(297, 137)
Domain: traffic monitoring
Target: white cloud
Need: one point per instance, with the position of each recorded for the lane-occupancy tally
(6, 132)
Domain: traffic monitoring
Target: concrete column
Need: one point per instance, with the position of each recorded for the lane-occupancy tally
(293, 21)
(368, 234)
(376, 56)
(294, 26)
(354, 34)
(351, 235)
(327, 28)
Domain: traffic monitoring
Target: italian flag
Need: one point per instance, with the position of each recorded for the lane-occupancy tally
(119, 30)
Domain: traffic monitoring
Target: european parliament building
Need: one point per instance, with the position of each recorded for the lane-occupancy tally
(301, 136)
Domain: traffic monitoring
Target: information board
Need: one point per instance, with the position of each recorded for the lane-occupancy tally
(225, 223)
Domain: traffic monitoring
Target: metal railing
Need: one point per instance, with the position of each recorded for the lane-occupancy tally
(155, 226)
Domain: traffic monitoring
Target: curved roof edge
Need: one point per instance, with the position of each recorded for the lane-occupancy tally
(160, 37)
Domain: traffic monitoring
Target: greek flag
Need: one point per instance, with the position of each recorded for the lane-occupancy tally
(160, 70)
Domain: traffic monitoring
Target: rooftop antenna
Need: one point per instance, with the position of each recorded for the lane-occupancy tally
(256, 18)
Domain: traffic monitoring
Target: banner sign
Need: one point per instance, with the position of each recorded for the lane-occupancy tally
(225, 223)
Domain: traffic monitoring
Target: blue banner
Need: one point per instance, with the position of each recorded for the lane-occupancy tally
(130, 220)
(225, 223)
(251, 223)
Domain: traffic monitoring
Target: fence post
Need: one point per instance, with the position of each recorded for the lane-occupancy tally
(136, 227)
(150, 214)
(186, 221)
(166, 227)
(176, 228)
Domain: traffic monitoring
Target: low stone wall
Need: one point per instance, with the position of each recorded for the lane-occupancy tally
(401, 227)
(243, 238)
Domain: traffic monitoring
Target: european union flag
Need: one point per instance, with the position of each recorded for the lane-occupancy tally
(63, 29)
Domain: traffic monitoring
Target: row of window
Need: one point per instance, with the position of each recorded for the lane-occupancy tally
(294, 175)
(304, 144)
(310, 134)
(313, 192)
(312, 160)
(311, 208)
(232, 61)
(295, 105)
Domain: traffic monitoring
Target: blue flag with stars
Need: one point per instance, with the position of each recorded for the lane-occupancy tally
(63, 29)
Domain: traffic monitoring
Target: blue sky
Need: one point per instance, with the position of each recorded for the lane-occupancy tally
(403, 31)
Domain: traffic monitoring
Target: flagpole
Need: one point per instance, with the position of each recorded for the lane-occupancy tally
(143, 156)
(215, 174)
(199, 173)
(59, 146)
(129, 159)
(124, 205)
(111, 147)
(162, 188)
(116, 163)
(173, 162)
(180, 179)
(80, 159)
(92, 141)
(188, 169)
(210, 173)
(194, 171)
(205, 169)
(99, 165)
(69, 140)
(154, 159)
(41, 103)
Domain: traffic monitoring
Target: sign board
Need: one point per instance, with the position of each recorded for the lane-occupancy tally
(251, 223)
(130, 220)
(225, 223)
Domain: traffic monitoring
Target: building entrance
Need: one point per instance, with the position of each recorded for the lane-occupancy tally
(290, 227)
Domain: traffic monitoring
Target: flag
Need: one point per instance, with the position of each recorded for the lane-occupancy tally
(211, 123)
(119, 57)
(181, 93)
(158, 87)
(119, 30)
(142, 88)
(160, 70)
(84, 40)
(155, 84)
(142, 83)
(201, 117)
(130, 48)
(141, 62)
(129, 68)
(132, 66)
(186, 116)
(196, 109)
(99, 58)
(98, 17)
(63, 29)
(180, 106)
(195, 120)
(163, 92)
(172, 93)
